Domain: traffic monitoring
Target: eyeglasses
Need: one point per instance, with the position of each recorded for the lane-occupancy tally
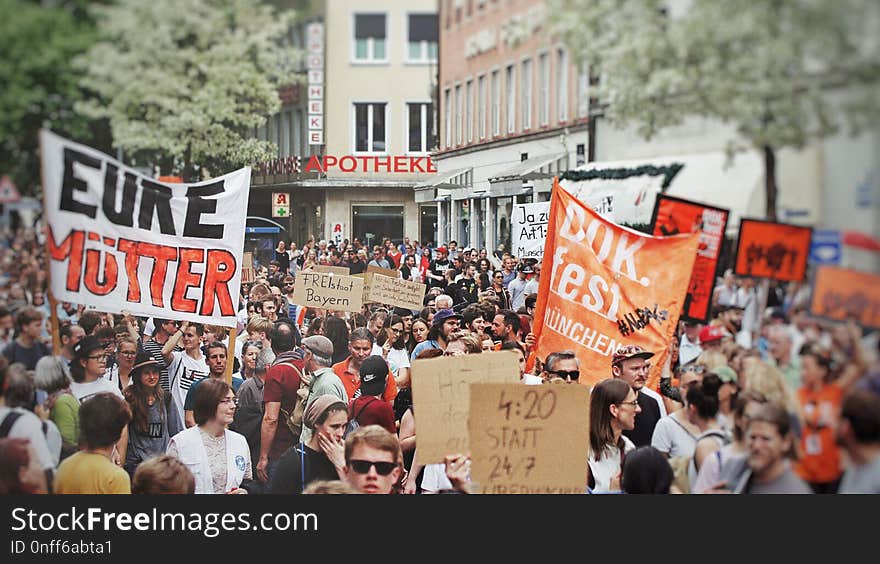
(393, 330)
(633, 403)
(695, 368)
(498, 277)
(98, 357)
(363, 466)
(573, 374)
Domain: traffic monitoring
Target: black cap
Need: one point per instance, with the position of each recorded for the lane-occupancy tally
(141, 361)
(86, 345)
(374, 372)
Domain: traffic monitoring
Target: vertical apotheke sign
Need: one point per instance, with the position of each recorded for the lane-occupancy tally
(315, 43)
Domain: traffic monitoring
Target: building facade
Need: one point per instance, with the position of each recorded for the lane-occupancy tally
(513, 112)
(363, 139)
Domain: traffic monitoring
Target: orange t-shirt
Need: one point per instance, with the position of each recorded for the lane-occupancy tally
(819, 454)
(352, 381)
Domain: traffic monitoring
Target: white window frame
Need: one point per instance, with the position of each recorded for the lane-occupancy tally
(371, 60)
(370, 110)
(425, 51)
(561, 85)
(447, 116)
(459, 114)
(526, 89)
(510, 95)
(469, 109)
(482, 105)
(495, 101)
(543, 89)
(426, 117)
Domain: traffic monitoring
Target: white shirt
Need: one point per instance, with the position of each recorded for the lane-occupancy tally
(688, 350)
(84, 390)
(182, 372)
(28, 426)
(608, 465)
(671, 438)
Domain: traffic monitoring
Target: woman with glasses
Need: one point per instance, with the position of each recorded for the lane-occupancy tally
(613, 409)
(219, 459)
(87, 370)
(126, 351)
(394, 350)
(497, 289)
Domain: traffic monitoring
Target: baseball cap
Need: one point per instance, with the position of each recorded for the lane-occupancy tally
(86, 345)
(374, 372)
(711, 333)
(319, 344)
(443, 315)
(442, 250)
(726, 374)
(627, 352)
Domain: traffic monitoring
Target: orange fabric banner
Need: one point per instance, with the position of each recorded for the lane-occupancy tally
(772, 250)
(605, 286)
(843, 294)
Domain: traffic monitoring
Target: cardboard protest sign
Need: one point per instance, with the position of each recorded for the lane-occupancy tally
(119, 240)
(673, 216)
(368, 278)
(328, 268)
(528, 439)
(396, 291)
(528, 229)
(441, 397)
(772, 250)
(328, 291)
(248, 274)
(843, 294)
(604, 286)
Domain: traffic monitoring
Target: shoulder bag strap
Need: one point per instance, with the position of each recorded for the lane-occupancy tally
(8, 422)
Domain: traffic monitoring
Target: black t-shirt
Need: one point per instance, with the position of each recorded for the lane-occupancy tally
(467, 289)
(645, 421)
(355, 267)
(287, 478)
(438, 268)
(283, 261)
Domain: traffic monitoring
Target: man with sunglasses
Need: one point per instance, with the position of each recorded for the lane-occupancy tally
(373, 460)
(563, 365)
(630, 364)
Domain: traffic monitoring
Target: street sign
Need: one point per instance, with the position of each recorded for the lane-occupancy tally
(337, 234)
(826, 247)
(280, 204)
(8, 192)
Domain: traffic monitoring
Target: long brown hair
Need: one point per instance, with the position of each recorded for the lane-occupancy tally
(137, 395)
(605, 394)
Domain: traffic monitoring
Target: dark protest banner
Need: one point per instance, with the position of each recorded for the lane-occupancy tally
(778, 251)
(335, 292)
(675, 215)
(604, 286)
(843, 295)
(119, 240)
(529, 439)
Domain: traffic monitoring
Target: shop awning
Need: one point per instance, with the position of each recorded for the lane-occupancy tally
(510, 182)
(442, 185)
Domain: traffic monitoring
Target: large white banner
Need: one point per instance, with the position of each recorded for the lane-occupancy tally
(119, 240)
(528, 225)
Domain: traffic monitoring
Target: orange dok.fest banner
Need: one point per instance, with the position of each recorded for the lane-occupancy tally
(842, 294)
(606, 286)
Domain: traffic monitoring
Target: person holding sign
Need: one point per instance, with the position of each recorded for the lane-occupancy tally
(613, 410)
(185, 367)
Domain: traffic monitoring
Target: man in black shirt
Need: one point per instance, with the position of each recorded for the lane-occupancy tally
(437, 269)
(323, 457)
(467, 286)
(630, 364)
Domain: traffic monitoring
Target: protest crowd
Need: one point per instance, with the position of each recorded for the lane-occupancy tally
(764, 398)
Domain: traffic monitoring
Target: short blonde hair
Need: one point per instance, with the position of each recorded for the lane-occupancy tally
(163, 474)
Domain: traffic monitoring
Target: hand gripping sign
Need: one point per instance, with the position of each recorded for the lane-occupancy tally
(606, 286)
(119, 240)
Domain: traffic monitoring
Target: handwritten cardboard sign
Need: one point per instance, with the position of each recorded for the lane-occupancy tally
(673, 216)
(248, 274)
(328, 291)
(368, 278)
(396, 291)
(843, 294)
(441, 397)
(325, 268)
(528, 229)
(529, 439)
(772, 250)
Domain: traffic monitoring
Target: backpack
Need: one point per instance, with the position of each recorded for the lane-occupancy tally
(353, 424)
(294, 417)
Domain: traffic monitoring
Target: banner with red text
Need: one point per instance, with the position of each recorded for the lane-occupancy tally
(119, 240)
(604, 286)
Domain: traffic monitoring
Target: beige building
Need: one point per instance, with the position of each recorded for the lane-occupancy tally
(372, 71)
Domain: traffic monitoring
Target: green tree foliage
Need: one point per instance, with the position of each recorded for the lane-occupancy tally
(784, 72)
(184, 82)
(39, 85)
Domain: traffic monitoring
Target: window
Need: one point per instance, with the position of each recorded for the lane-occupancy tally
(284, 147)
(481, 105)
(496, 103)
(273, 132)
(296, 140)
(447, 114)
(418, 127)
(458, 115)
(583, 99)
(370, 128)
(469, 109)
(369, 37)
(510, 92)
(422, 38)
(543, 90)
(526, 83)
(562, 85)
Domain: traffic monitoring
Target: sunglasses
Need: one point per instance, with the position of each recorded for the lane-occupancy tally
(363, 466)
(573, 374)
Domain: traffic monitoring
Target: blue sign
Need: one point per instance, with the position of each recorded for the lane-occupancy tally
(826, 247)
(262, 230)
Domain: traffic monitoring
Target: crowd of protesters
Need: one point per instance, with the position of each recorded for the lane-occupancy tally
(762, 399)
